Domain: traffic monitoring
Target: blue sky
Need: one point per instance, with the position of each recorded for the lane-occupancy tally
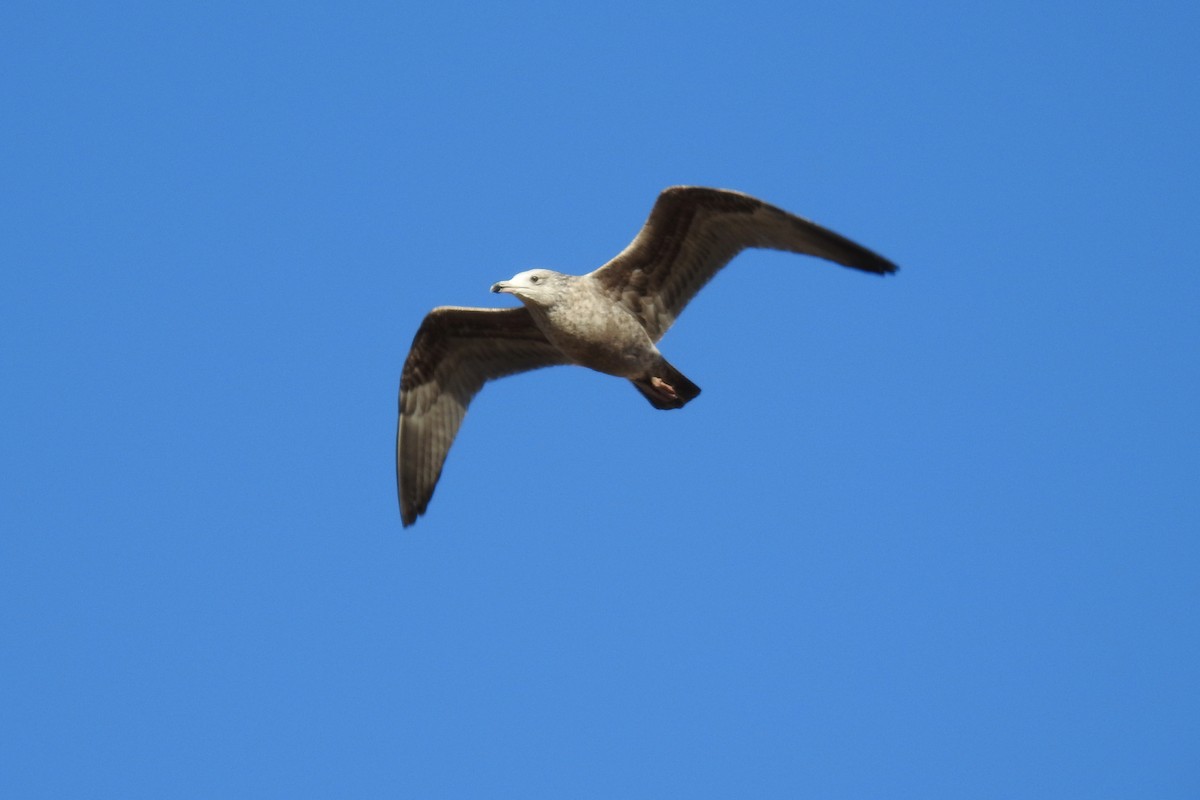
(929, 536)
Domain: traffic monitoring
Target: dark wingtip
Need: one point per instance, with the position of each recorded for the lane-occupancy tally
(871, 262)
(409, 516)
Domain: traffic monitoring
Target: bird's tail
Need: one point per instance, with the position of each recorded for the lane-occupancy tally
(666, 387)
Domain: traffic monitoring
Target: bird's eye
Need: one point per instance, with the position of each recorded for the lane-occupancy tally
(535, 278)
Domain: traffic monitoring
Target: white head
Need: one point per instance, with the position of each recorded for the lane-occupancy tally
(539, 286)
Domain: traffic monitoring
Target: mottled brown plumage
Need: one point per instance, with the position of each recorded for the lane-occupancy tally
(693, 232)
(455, 351)
(608, 320)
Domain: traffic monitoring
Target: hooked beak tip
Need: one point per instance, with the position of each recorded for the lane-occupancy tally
(499, 287)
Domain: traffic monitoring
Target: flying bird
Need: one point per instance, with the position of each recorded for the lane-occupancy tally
(608, 320)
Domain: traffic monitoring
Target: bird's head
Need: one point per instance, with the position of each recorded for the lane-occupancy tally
(538, 286)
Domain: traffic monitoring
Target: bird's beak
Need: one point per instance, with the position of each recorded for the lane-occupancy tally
(501, 287)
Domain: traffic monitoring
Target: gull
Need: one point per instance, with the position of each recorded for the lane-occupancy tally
(608, 320)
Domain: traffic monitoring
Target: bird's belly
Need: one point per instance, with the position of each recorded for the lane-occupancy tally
(615, 349)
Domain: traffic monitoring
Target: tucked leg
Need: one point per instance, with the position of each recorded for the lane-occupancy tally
(664, 388)
(672, 390)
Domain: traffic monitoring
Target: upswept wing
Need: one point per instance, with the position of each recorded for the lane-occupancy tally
(455, 351)
(693, 232)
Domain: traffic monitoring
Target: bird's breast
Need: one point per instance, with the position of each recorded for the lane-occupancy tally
(606, 338)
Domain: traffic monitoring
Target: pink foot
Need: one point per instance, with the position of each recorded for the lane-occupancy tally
(667, 389)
